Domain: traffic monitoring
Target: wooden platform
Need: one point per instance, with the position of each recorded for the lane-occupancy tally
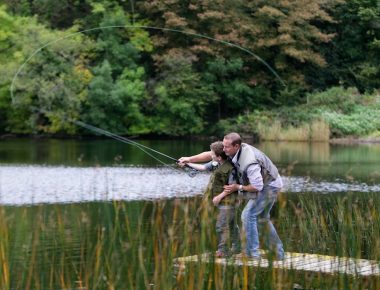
(295, 261)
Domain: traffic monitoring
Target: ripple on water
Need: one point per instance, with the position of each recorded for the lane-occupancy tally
(22, 185)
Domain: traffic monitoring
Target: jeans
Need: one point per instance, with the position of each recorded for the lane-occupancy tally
(256, 218)
(227, 229)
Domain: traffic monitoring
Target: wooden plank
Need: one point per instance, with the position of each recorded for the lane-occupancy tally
(295, 261)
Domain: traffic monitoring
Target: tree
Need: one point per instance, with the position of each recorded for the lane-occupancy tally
(354, 53)
(282, 35)
(51, 85)
(234, 94)
(179, 100)
(117, 91)
(57, 14)
(116, 106)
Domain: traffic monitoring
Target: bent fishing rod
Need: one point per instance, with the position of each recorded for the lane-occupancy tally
(134, 26)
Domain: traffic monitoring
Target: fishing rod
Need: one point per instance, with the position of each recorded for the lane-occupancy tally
(191, 172)
(134, 26)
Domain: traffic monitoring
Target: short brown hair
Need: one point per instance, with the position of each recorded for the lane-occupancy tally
(234, 138)
(217, 147)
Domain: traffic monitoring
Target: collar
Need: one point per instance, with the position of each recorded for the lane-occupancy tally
(235, 159)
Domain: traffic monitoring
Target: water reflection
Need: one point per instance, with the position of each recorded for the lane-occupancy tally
(23, 185)
(60, 171)
(321, 161)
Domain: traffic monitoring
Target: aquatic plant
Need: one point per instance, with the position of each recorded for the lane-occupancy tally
(132, 245)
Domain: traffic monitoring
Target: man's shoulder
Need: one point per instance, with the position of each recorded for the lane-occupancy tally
(248, 146)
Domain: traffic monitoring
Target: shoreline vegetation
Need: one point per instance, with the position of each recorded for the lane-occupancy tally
(337, 116)
(246, 137)
(273, 70)
(103, 64)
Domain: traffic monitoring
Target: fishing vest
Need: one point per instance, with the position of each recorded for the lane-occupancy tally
(249, 155)
(221, 176)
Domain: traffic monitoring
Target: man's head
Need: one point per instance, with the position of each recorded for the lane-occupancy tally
(231, 144)
(217, 149)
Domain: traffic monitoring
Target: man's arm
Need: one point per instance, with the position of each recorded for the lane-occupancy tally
(201, 157)
(255, 181)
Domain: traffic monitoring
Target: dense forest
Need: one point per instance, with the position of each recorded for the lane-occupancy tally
(186, 68)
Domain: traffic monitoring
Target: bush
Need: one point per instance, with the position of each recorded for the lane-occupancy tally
(337, 111)
(362, 122)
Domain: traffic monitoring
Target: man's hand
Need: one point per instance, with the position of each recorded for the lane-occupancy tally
(184, 160)
(231, 188)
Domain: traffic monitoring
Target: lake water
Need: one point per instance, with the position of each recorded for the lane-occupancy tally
(62, 171)
(90, 214)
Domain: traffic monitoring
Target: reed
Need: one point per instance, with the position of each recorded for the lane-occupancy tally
(318, 130)
(131, 245)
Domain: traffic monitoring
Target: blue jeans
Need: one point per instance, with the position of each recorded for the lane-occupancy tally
(255, 218)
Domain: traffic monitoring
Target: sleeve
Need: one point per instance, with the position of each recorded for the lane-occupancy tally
(209, 166)
(254, 176)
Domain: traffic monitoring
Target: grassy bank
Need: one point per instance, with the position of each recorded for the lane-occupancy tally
(131, 245)
(335, 113)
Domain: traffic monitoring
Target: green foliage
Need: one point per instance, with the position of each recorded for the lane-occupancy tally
(53, 13)
(336, 98)
(117, 91)
(165, 82)
(353, 58)
(229, 83)
(99, 104)
(120, 46)
(50, 82)
(130, 92)
(180, 100)
(344, 110)
(347, 111)
(363, 121)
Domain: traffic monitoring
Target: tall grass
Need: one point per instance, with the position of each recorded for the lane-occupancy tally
(317, 130)
(131, 245)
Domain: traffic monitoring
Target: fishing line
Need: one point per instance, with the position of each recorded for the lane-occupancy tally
(112, 135)
(143, 148)
(119, 138)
